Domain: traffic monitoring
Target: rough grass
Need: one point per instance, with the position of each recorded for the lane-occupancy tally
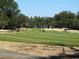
(48, 37)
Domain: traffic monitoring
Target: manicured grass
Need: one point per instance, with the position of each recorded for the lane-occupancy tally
(48, 37)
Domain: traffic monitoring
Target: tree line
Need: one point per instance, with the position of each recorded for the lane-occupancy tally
(64, 19)
(12, 18)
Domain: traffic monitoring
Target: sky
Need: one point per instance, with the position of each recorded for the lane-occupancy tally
(47, 8)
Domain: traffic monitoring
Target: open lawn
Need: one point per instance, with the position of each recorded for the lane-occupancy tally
(48, 37)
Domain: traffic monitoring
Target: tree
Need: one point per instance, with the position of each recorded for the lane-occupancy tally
(3, 21)
(64, 18)
(9, 7)
(22, 20)
(78, 15)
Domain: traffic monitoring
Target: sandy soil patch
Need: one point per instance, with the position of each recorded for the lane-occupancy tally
(62, 30)
(54, 29)
(33, 49)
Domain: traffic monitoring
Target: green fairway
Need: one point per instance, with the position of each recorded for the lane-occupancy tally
(48, 37)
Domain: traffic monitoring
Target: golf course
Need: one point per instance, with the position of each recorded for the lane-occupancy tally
(37, 37)
(39, 29)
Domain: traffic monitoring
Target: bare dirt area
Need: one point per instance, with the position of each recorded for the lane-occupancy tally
(36, 49)
(33, 49)
(7, 32)
(54, 29)
(62, 30)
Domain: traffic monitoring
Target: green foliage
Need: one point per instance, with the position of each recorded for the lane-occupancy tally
(66, 19)
(10, 17)
(3, 21)
(9, 7)
(40, 22)
(78, 15)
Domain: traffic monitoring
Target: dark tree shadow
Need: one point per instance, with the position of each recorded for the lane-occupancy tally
(74, 56)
